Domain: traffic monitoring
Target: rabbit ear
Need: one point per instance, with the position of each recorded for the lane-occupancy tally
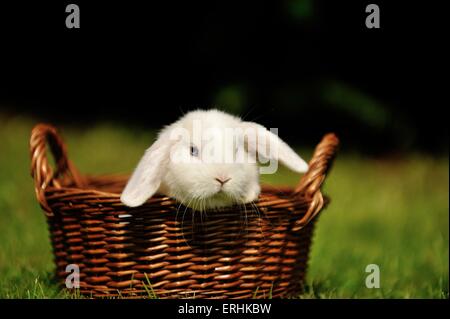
(259, 139)
(147, 176)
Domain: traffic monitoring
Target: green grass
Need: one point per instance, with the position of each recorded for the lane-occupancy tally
(390, 212)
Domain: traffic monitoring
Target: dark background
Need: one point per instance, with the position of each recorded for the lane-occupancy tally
(304, 66)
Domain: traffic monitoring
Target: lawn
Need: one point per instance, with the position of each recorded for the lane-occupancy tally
(392, 212)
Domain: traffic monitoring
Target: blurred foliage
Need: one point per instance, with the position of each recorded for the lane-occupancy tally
(392, 212)
(307, 66)
(356, 104)
(231, 99)
(300, 9)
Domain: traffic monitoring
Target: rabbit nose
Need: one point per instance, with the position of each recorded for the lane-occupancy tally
(222, 180)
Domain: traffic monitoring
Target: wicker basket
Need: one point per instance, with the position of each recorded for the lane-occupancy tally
(165, 250)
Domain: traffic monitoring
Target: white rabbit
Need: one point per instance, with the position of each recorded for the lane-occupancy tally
(179, 164)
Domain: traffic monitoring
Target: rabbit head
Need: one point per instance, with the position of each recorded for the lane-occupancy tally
(207, 159)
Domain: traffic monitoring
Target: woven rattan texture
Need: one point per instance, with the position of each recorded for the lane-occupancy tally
(167, 250)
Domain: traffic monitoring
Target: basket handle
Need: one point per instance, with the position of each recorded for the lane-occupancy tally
(41, 171)
(311, 182)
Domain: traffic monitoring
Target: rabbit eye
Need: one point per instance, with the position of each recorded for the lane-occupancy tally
(194, 151)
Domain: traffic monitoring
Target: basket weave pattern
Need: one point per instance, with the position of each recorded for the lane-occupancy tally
(167, 250)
